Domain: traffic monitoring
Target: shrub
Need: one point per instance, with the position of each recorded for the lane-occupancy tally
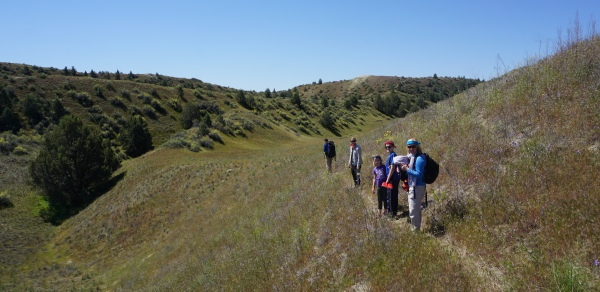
(247, 125)
(215, 136)
(57, 110)
(82, 98)
(72, 166)
(9, 121)
(158, 106)
(125, 94)
(206, 142)
(134, 110)
(188, 115)
(175, 105)
(95, 109)
(68, 85)
(149, 112)
(19, 150)
(118, 103)
(109, 85)
(5, 201)
(194, 147)
(98, 90)
(33, 108)
(444, 212)
(135, 137)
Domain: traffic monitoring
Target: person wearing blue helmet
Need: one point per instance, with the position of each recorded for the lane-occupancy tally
(416, 186)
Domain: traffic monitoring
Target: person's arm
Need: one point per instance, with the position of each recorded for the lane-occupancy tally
(419, 168)
(350, 160)
(392, 170)
(373, 187)
(359, 158)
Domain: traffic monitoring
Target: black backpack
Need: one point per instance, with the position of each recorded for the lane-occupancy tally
(330, 149)
(432, 169)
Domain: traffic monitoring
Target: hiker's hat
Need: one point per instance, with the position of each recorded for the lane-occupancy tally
(390, 143)
(412, 142)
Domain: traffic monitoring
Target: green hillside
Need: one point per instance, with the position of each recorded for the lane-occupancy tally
(516, 205)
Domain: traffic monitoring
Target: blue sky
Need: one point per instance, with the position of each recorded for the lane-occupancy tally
(254, 45)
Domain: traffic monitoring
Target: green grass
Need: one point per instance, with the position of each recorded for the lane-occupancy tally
(515, 208)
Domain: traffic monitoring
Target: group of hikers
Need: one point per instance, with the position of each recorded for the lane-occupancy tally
(398, 171)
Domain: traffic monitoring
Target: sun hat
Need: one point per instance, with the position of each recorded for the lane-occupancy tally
(390, 143)
(412, 142)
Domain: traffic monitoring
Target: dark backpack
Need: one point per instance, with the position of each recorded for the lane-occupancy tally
(432, 169)
(330, 149)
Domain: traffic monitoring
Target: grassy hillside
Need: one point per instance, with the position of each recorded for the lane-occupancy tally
(516, 205)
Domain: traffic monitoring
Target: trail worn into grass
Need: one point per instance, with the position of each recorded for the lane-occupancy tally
(486, 275)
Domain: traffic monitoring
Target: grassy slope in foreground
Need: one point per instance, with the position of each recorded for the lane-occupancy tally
(242, 220)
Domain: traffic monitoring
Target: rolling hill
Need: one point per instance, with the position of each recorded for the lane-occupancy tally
(516, 205)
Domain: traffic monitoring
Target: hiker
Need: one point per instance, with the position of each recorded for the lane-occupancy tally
(393, 177)
(329, 152)
(416, 185)
(355, 161)
(379, 178)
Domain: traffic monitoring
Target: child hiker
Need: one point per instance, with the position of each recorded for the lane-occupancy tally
(378, 178)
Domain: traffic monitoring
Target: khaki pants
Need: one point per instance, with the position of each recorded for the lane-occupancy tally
(328, 159)
(414, 205)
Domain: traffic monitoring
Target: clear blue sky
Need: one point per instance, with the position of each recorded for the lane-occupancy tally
(254, 45)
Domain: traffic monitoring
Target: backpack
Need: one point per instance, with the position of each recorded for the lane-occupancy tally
(432, 169)
(330, 149)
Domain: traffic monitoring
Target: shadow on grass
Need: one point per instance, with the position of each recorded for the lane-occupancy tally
(57, 213)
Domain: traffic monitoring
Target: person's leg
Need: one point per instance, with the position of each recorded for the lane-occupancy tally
(356, 176)
(328, 163)
(415, 195)
(394, 199)
(381, 199)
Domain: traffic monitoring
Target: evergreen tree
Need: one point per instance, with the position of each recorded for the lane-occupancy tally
(9, 121)
(118, 75)
(179, 90)
(296, 98)
(324, 102)
(135, 136)
(327, 121)
(57, 110)
(267, 93)
(5, 99)
(379, 104)
(242, 100)
(188, 115)
(26, 71)
(72, 166)
(33, 107)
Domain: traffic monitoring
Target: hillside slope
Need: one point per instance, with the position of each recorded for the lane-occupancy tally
(516, 205)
